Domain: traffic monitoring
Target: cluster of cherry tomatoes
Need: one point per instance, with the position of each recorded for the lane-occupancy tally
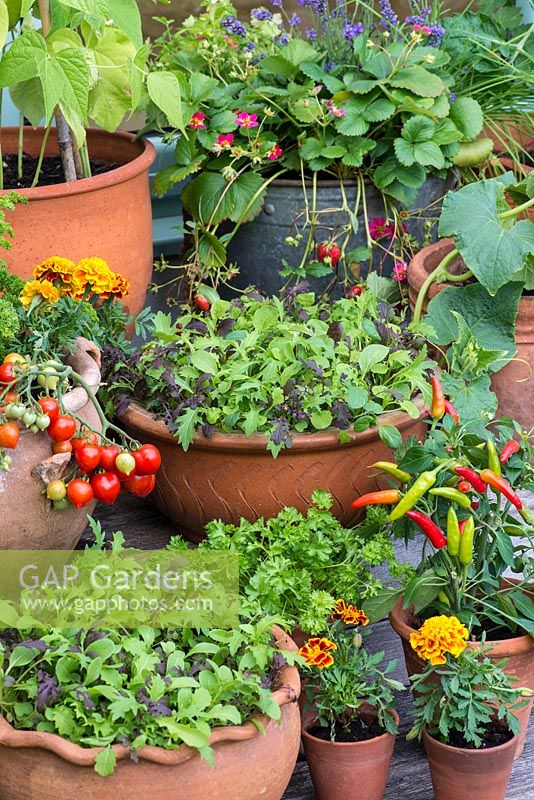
(101, 470)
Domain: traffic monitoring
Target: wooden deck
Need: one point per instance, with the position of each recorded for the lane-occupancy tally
(144, 527)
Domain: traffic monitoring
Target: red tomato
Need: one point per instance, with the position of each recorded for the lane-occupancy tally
(6, 373)
(62, 447)
(140, 485)
(79, 493)
(49, 406)
(106, 487)
(62, 428)
(84, 437)
(87, 457)
(9, 435)
(108, 454)
(147, 460)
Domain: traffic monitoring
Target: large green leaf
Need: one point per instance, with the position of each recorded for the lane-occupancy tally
(247, 197)
(21, 62)
(4, 22)
(28, 98)
(109, 100)
(473, 399)
(74, 99)
(126, 16)
(492, 248)
(51, 77)
(467, 116)
(164, 91)
(419, 81)
(208, 198)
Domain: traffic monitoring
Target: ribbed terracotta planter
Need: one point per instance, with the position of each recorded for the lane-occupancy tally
(232, 475)
(460, 774)
(349, 770)
(248, 764)
(108, 215)
(514, 384)
(519, 652)
(28, 521)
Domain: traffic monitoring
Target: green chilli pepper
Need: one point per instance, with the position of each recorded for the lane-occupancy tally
(466, 542)
(394, 470)
(494, 462)
(452, 494)
(453, 533)
(424, 482)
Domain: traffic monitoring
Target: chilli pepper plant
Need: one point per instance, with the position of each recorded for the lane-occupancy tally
(294, 566)
(344, 92)
(141, 687)
(275, 366)
(462, 697)
(460, 489)
(341, 677)
(39, 322)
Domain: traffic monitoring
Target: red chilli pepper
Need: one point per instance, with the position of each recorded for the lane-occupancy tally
(508, 450)
(462, 524)
(451, 411)
(473, 477)
(438, 398)
(434, 534)
(386, 497)
(500, 485)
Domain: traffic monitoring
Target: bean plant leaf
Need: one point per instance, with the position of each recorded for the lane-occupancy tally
(164, 90)
(21, 62)
(4, 22)
(126, 16)
(109, 99)
(492, 247)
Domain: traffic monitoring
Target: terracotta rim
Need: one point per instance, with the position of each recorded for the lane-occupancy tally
(139, 418)
(288, 692)
(143, 156)
(397, 618)
(310, 723)
(464, 751)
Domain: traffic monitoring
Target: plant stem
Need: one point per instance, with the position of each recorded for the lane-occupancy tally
(20, 147)
(512, 212)
(434, 276)
(84, 152)
(41, 156)
(449, 276)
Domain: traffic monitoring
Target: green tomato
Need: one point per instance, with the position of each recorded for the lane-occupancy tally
(11, 411)
(34, 429)
(61, 505)
(56, 490)
(42, 421)
(125, 463)
(47, 379)
(29, 418)
(18, 411)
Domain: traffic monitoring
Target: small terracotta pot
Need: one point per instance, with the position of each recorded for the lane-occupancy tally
(248, 764)
(519, 652)
(461, 774)
(28, 521)
(349, 770)
(514, 384)
(108, 215)
(232, 475)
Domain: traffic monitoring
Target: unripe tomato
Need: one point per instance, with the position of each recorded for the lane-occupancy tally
(106, 487)
(108, 455)
(140, 485)
(9, 435)
(42, 421)
(17, 411)
(62, 428)
(62, 447)
(49, 406)
(7, 374)
(16, 358)
(10, 397)
(125, 465)
(56, 490)
(34, 428)
(87, 457)
(47, 379)
(61, 505)
(79, 493)
(147, 460)
(29, 418)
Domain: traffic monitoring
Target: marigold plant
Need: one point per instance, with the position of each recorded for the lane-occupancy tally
(317, 652)
(438, 636)
(349, 614)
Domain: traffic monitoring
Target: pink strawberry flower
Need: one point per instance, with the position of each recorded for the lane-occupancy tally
(378, 229)
(197, 121)
(274, 153)
(422, 29)
(245, 120)
(231, 42)
(225, 141)
(400, 271)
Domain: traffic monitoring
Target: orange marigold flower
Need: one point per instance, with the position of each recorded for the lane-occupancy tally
(55, 268)
(95, 274)
(349, 614)
(43, 289)
(317, 652)
(438, 636)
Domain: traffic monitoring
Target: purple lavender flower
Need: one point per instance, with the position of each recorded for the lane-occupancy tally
(249, 47)
(294, 20)
(262, 14)
(452, 97)
(418, 19)
(389, 18)
(276, 3)
(233, 26)
(437, 32)
(311, 33)
(351, 30)
(329, 66)
(283, 39)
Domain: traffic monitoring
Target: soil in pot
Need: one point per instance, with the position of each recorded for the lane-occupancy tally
(493, 736)
(357, 731)
(51, 172)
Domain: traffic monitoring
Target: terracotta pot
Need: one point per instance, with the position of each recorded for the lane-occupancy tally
(519, 652)
(349, 770)
(232, 475)
(460, 774)
(248, 764)
(108, 216)
(514, 384)
(28, 521)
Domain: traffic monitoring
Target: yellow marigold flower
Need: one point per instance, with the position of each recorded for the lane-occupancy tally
(55, 268)
(45, 289)
(438, 636)
(94, 273)
(349, 614)
(317, 652)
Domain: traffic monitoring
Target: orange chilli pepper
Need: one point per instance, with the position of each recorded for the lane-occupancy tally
(438, 398)
(386, 497)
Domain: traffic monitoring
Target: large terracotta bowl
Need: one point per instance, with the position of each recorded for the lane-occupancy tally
(514, 384)
(108, 215)
(27, 519)
(232, 475)
(248, 764)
